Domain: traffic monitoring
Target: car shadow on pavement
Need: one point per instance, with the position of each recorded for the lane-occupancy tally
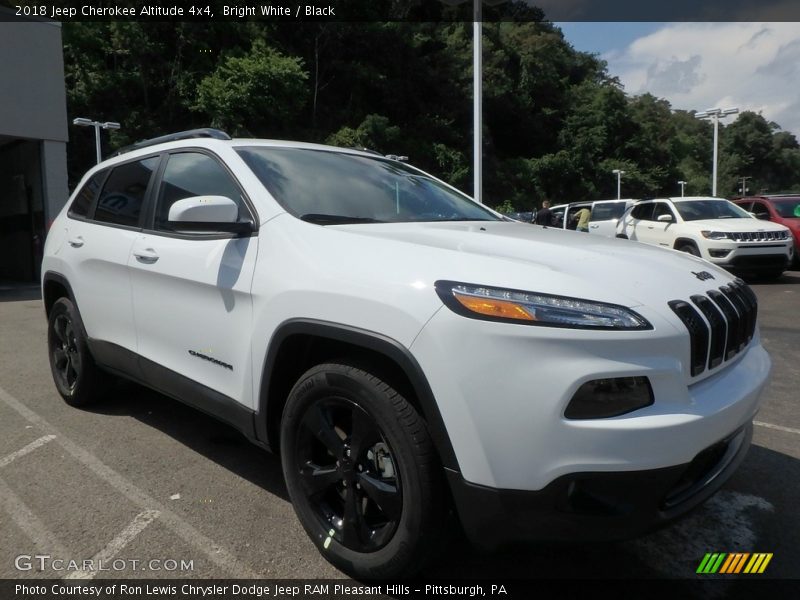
(205, 435)
(752, 513)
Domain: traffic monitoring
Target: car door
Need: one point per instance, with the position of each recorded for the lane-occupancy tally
(660, 233)
(98, 247)
(605, 216)
(636, 221)
(191, 291)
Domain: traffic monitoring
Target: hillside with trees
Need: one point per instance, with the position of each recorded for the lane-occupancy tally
(556, 121)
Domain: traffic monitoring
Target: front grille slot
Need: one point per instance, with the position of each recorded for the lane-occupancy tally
(698, 334)
(727, 324)
(719, 329)
(732, 317)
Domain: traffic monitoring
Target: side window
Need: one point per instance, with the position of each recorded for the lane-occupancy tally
(194, 174)
(606, 211)
(643, 211)
(760, 211)
(85, 197)
(123, 194)
(662, 208)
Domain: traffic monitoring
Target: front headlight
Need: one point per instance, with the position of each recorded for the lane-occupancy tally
(533, 308)
(715, 235)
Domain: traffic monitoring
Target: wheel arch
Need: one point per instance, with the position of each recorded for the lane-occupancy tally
(299, 344)
(685, 240)
(55, 286)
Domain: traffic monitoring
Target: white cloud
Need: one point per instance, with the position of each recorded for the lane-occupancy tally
(755, 66)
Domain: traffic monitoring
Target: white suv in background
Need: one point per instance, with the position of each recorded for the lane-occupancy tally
(711, 228)
(604, 215)
(408, 351)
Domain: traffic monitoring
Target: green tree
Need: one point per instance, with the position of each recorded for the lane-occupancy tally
(260, 93)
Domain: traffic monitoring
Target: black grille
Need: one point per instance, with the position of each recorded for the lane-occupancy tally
(719, 329)
(698, 333)
(726, 326)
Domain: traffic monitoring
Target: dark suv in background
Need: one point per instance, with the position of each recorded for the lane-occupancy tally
(778, 208)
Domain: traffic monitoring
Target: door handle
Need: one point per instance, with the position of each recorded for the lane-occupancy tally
(76, 242)
(593, 226)
(147, 256)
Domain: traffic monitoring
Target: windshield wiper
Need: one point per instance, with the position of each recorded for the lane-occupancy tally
(322, 219)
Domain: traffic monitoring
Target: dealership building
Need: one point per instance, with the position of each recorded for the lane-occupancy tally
(33, 141)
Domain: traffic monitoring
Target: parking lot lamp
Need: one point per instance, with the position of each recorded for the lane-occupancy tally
(714, 115)
(683, 186)
(97, 126)
(619, 175)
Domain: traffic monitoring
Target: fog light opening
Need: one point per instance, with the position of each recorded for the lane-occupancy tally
(718, 253)
(603, 398)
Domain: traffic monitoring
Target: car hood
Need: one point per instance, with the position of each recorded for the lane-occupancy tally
(548, 260)
(743, 224)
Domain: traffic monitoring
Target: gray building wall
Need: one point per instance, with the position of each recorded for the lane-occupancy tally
(33, 137)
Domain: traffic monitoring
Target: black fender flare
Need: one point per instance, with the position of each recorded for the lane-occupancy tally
(373, 342)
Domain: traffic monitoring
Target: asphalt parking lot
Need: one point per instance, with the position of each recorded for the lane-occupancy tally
(143, 478)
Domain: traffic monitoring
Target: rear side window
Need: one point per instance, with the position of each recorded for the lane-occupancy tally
(122, 197)
(194, 174)
(85, 197)
(607, 211)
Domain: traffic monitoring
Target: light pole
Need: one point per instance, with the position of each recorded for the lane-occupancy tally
(619, 175)
(714, 115)
(683, 185)
(477, 102)
(744, 184)
(97, 126)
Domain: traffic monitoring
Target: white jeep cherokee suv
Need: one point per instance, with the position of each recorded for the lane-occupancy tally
(408, 352)
(712, 228)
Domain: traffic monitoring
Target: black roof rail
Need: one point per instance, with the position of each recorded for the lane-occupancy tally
(205, 132)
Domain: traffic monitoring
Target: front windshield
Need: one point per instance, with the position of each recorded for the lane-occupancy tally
(332, 188)
(788, 208)
(697, 210)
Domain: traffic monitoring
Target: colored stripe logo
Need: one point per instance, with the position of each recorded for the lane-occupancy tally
(734, 563)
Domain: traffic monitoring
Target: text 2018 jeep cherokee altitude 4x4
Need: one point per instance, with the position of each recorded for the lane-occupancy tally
(407, 350)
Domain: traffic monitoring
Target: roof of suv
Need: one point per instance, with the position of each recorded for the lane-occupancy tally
(210, 138)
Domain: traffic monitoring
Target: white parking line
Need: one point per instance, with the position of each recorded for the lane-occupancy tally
(213, 551)
(26, 450)
(777, 427)
(137, 526)
(44, 540)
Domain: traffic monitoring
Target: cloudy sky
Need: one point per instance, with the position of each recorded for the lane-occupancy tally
(754, 66)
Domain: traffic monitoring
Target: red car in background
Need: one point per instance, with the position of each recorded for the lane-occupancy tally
(783, 209)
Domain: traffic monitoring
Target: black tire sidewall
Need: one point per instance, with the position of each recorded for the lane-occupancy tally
(86, 385)
(419, 501)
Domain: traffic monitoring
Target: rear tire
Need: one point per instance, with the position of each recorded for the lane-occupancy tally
(77, 377)
(362, 472)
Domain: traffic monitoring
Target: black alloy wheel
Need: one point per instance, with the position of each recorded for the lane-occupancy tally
(64, 350)
(348, 474)
(78, 379)
(362, 472)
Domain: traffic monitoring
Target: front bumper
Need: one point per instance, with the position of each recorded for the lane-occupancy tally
(503, 396)
(596, 506)
(750, 258)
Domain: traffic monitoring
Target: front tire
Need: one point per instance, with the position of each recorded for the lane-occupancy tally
(78, 379)
(362, 472)
(689, 248)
